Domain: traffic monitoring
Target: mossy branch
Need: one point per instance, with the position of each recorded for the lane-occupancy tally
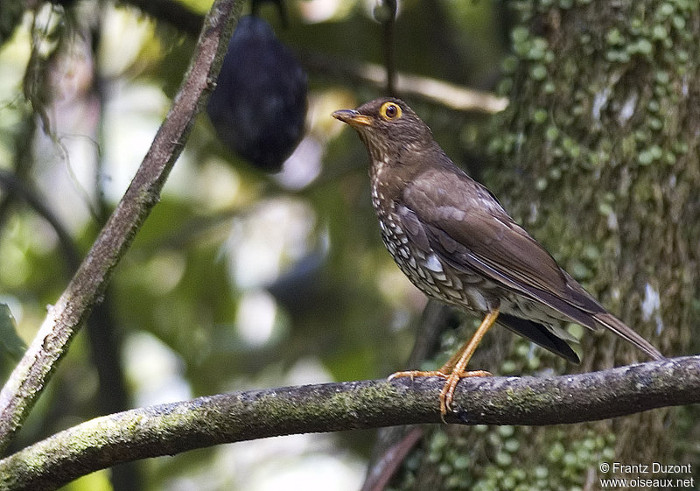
(64, 319)
(168, 429)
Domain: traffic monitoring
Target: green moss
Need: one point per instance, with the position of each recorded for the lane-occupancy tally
(511, 445)
(564, 129)
(614, 37)
(538, 71)
(506, 431)
(540, 116)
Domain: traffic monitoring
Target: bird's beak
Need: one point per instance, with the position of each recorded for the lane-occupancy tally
(353, 118)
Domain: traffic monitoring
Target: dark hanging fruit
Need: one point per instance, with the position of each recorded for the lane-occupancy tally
(259, 105)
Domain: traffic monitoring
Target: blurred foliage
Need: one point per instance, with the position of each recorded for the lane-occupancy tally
(11, 345)
(238, 279)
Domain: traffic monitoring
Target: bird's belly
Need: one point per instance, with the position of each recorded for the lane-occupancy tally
(468, 290)
(425, 270)
(464, 289)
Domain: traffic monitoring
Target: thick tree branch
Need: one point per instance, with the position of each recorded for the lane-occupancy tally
(172, 428)
(63, 320)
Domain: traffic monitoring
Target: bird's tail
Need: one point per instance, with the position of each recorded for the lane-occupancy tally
(608, 320)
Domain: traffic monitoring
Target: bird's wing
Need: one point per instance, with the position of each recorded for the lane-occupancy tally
(471, 230)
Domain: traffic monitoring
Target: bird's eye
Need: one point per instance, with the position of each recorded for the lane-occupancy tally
(390, 111)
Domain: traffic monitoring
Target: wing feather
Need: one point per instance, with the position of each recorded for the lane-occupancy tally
(484, 238)
(471, 231)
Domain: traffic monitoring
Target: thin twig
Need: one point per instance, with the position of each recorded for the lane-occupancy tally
(427, 89)
(389, 52)
(431, 90)
(381, 471)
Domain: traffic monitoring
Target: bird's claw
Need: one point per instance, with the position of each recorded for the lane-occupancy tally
(448, 390)
(418, 373)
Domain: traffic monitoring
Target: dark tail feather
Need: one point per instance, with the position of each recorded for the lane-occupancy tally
(621, 329)
(539, 334)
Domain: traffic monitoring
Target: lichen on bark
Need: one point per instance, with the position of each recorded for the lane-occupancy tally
(598, 157)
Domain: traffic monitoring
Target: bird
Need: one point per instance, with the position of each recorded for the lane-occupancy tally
(453, 240)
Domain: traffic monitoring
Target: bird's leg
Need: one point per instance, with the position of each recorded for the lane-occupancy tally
(454, 369)
(455, 366)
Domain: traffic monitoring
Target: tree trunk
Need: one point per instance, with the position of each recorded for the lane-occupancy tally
(598, 156)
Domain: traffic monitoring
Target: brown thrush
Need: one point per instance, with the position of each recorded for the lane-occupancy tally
(455, 242)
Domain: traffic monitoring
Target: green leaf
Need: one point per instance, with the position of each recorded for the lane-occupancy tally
(10, 342)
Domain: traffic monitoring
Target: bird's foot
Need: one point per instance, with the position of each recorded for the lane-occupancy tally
(418, 373)
(448, 391)
(452, 379)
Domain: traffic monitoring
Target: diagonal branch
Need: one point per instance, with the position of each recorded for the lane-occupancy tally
(455, 97)
(168, 429)
(63, 320)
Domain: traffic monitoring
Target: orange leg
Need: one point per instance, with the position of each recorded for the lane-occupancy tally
(454, 369)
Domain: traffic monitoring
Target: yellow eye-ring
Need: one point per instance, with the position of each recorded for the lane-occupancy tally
(390, 111)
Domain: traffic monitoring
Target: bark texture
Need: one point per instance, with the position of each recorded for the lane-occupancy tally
(168, 429)
(598, 157)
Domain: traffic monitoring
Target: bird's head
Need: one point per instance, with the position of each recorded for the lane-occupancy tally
(388, 127)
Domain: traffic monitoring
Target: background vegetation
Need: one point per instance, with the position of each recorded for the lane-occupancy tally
(240, 279)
